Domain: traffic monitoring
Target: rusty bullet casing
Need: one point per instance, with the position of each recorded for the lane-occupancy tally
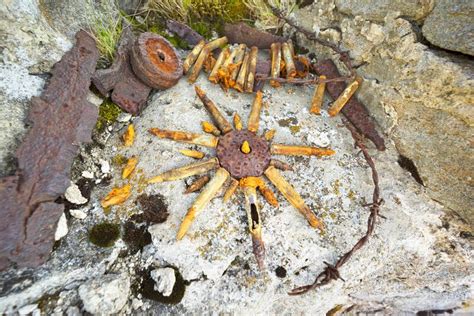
(280, 165)
(254, 116)
(210, 128)
(193, 55)
(192, 153)
(345, 96)
(268, 195)
(255, 224)
(239, 57)
(289, 62)
(270, 134)
(291, 48)
(234, 184)
(129, 167)
(209, 191)
(220, 60)
(197, 184)
(216, 115)
(185, 137)
(194, 72)
(241, 78)
(279, 149)
(318, 97)
(292, 196)
(186, 171)
(276, 58)
(252, 68)
(206, 50)
(237, 122)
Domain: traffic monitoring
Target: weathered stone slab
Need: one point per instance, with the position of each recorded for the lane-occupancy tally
(451, 26)
(61, 119)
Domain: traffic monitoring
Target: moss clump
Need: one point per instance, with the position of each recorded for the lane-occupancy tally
(104, 234)
(108, 113)
(146, 287)
(135, 237)
(119, 160)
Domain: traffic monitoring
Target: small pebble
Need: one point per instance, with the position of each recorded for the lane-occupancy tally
(87, 174)
(124, 117)
(104, 166)
(74, 195)
(62, 229)
(164, 280)
(79, 214)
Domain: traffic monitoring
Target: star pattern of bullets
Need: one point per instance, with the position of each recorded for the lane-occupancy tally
(249, 185)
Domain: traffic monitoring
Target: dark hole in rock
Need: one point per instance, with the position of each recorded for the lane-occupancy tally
(145, 285)
(466, 234)
(280, 272)
(407, 164)
(104, 234)
(254, 214)
(135, 237)
(304, 3)
(154, 208)
(434, 312)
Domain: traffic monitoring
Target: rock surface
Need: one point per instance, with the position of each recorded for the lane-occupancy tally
(376, 10)
(105, 295)
(421, 98)
(450, 26)
(164, 279)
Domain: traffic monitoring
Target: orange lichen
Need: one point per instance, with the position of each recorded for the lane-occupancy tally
(116, 196)
(129, 136)
(129, 167)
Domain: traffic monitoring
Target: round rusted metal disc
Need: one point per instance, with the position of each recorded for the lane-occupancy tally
(155, 61)
(239, 164)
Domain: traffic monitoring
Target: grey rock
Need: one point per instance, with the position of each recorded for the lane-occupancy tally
(164, 279)
(421, 98)
(451, 26)
(105, 295)
(74, 195)
(376, 10)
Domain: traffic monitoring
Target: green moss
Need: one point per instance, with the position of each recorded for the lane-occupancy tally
(119, 160)
(48, 302)
(108, 113)
(146, 287)
(104, 234)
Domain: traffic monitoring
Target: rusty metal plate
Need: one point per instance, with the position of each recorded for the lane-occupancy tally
(241, 165)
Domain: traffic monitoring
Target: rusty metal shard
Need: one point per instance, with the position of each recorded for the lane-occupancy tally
(128, 92)
(61, 119)
(241, 33)
(184, 32)
(354, 110)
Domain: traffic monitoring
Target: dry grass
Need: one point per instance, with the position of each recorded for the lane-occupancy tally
(264, 18)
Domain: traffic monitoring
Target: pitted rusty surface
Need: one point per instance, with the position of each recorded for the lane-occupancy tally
(241, 165)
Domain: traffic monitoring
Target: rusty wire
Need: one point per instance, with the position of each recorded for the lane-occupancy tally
(331, 272)
(303, 81)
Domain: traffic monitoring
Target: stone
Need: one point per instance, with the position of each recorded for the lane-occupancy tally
(61, 229)
(216, 258)
(420, 97)
(164, 279)
(376, 10)
(451, 26)
(88, 174)
(79, 214)
(31, 309)
(105, 295)
(104, 166)
(74, 195)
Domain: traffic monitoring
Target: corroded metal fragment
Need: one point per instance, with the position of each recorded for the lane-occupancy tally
(197, 184)
(184, 32)
(128, 92)
(318, 97)
(155, 61)
(61, 118)
(239, 164)
(354, 110)
(242, 33)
